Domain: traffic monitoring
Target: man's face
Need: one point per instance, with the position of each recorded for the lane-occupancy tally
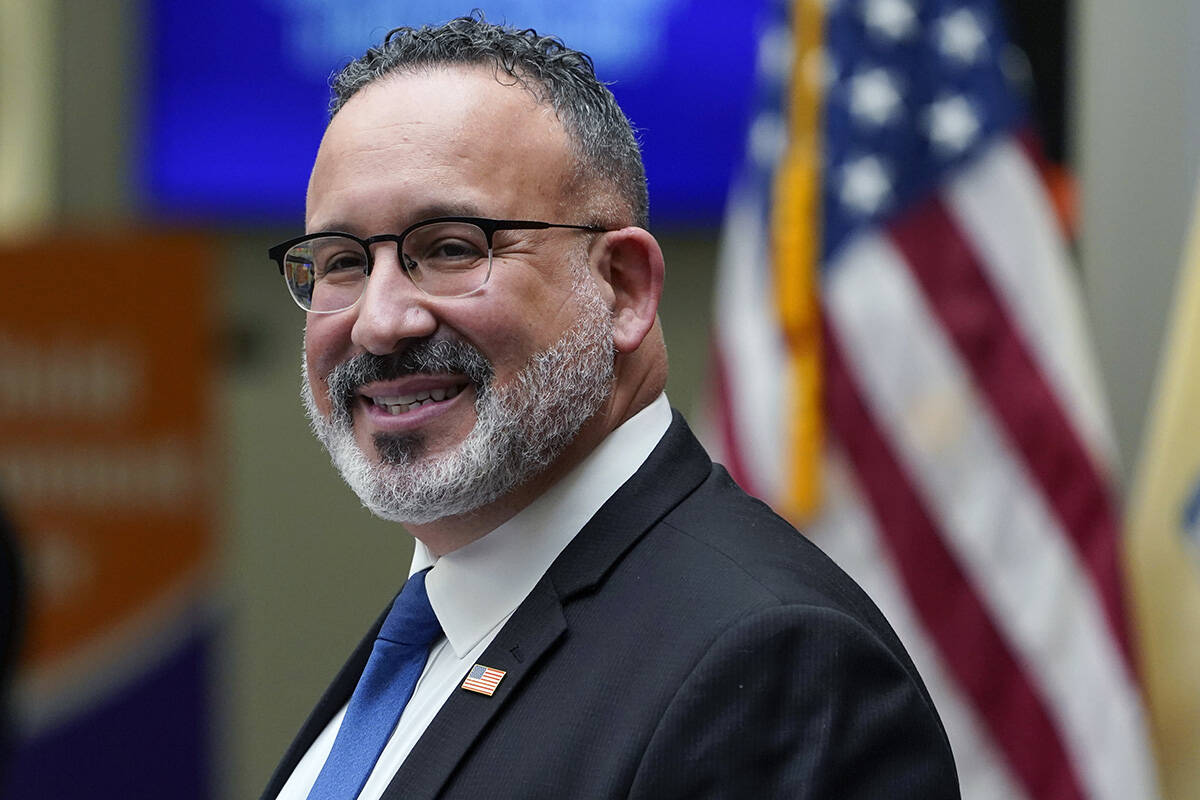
(439, 406)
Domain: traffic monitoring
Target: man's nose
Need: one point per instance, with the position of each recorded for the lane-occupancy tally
(392, 309)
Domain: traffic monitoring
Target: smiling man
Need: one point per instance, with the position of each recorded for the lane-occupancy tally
(594, 609)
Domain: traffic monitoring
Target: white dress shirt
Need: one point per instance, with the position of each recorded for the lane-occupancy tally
(475, 589)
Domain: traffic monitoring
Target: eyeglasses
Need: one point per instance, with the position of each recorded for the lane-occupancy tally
(327, 272)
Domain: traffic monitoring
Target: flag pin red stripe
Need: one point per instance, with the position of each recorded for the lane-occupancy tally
(483, 680)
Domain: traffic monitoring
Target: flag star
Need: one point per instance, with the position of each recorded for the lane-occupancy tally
(953, 124)
(768, 139)
(775, 53)
(875, 97)
(895, 19)
(865, 185)
(960, 36)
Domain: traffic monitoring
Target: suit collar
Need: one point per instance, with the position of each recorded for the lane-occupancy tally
(477, 586)
(674, 469)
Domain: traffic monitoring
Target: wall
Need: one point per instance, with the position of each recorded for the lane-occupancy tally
(1138, 146)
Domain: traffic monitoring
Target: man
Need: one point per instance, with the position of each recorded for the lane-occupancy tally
(483, 361)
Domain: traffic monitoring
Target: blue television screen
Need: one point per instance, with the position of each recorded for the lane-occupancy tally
(236, 92)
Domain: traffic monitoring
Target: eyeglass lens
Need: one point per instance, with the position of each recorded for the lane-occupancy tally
(444, 259)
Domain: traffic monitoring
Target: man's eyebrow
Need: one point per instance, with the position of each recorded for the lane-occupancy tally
(455, 209)
(330, 226)
(429, 211)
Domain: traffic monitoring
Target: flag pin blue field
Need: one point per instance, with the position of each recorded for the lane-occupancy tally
(483, 680)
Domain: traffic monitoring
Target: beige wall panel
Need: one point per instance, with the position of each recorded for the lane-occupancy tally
(26, 118)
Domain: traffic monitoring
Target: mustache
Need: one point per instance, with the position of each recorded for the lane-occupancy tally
(427, 357)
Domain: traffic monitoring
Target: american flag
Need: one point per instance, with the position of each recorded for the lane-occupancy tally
(483, 680)
(902, 367)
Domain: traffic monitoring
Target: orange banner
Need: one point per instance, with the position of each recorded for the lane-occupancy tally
(106, 420)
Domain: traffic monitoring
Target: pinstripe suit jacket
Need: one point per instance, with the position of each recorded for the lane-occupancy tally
(688, 643)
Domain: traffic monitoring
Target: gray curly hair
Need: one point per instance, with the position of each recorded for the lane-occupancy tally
(602, 137)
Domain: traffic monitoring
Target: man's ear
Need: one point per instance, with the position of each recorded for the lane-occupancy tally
(631, 264)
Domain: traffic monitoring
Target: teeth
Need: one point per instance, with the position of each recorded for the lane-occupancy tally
(402, 404)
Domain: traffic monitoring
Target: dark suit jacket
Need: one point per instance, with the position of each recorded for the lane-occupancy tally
(688, 643)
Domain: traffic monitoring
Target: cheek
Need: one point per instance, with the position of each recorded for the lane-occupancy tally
(507, 347)
(524, 319)
(325, 347)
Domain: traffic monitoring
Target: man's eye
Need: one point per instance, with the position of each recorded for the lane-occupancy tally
(453, 250)
(341, 262)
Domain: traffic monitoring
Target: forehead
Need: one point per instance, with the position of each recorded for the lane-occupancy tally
(453, 138)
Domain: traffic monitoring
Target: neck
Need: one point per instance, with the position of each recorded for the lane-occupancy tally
(448, 534)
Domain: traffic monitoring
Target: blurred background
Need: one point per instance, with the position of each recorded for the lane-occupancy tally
(190, 572)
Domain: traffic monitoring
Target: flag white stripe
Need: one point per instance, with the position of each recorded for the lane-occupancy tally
(848, 533)
(1002, 209)
(754, 353)
(1006, 539)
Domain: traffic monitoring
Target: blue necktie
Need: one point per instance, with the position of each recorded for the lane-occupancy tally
(382, 692)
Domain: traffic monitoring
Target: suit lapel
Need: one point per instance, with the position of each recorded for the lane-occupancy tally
(673, 470)
(518, 647)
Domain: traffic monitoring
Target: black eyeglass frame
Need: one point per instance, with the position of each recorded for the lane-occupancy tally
(489, 227)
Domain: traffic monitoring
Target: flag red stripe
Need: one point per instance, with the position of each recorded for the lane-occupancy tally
(1006, 374)
(973, 649)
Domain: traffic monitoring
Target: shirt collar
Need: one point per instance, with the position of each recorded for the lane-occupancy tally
(476, 587)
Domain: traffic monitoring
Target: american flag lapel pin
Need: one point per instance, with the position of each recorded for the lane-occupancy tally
(483, 680)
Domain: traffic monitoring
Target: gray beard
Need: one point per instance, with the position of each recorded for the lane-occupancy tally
(520, 429)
